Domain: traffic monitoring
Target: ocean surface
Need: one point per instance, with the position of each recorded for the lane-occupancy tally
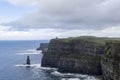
(12, 63)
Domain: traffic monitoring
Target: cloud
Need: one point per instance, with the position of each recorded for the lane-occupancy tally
(45, 34)
(38, 34)
(31, 34)
(68, 14)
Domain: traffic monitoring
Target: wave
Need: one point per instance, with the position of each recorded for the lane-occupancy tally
(30, 52)
(48, 68)
(70, 79)
(36, 66)
(80, 78)
(33, 50)
(56, 73)
(72, 76)
(64, 76)
(25, 65)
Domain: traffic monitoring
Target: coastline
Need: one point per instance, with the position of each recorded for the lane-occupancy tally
(80, 55)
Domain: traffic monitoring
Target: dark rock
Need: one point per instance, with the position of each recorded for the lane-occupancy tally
(43, 46)
(64, 54)
(83, 55)
(28, 60)
(111, 61)
(80, 66)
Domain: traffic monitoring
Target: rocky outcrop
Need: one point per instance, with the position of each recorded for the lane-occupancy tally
(43, 46)
(28, 60)
(87, 47)
(89, 66)
(111, 61)
(83, 55)
(50, 60)
(71, 55)
(56, 48)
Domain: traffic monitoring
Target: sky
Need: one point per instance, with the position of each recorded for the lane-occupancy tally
(46, 19)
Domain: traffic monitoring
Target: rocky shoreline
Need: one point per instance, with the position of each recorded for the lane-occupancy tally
(84, 55)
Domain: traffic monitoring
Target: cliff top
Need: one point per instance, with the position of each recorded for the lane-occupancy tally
(100, 40)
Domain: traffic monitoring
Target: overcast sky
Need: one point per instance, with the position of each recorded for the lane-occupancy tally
(46, 19)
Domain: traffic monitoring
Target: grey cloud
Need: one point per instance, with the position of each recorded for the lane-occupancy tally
(71, 14)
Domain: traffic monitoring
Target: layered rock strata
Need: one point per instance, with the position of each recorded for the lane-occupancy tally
(86, 55)
(71, 55)
(43, 46)
(111, 61)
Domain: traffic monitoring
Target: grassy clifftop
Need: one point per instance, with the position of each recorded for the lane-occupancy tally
(100, 40)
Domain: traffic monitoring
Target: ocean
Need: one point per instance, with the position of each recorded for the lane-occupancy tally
(13, 56)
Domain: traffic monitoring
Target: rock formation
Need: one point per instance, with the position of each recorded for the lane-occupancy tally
(28, 60)
(111, 61)
(71, 55)
(43, 46)
(83, 55)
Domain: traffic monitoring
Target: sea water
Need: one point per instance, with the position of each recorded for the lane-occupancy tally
(13, 56)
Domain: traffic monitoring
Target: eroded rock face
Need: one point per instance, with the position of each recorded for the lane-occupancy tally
(111, 61)
(80, 66)
(87, 47)
(84, 56)
(66, 54)
(56, 48)
(50, 60)
(42, 46)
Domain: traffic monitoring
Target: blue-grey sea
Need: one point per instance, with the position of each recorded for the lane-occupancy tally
(12, 63)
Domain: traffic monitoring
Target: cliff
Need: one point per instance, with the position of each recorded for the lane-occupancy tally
(56, 48)
(111, 61)
(72, 54)
(83, 55)
(83, 64)
(43, 46)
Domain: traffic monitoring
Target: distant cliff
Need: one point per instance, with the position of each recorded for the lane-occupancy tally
(78, 55)
(43, 46)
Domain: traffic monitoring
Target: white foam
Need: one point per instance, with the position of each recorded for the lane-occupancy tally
(35, 66)
(30, 52)
(73, 79)
(25, 65)
(70, 79)
(91, 78)
(77, 76)
(56, 73)
(48, 68)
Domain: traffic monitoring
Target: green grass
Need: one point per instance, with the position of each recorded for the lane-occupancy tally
(99, 40)
(82, 57)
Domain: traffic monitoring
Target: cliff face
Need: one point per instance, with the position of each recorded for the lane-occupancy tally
(83, 55)
(111, 61)
(87, 47)
(50, 60)
(72, 55)
(81, 66)
(56, 48)
(43, 46)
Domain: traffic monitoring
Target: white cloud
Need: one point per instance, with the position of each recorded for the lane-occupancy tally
(69, 14)
(37, 34)
(65, 18)
(4, 28)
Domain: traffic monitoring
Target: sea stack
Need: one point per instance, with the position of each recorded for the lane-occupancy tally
(28, 60)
